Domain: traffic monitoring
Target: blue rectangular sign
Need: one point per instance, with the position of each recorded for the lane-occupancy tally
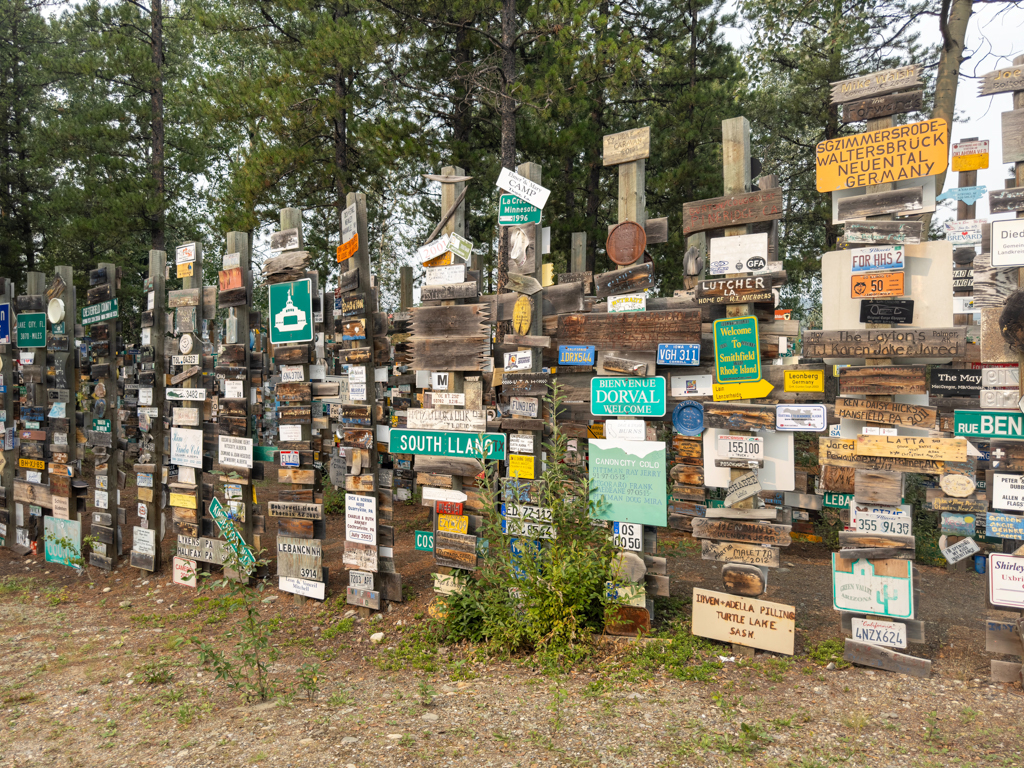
(5, 323)
(1000, 525)
(679, 354)
(576, 355)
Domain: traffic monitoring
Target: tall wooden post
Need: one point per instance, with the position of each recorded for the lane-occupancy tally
(8, 456)
(405, 288)
(150, 467)
(29, 527)
(237, 336)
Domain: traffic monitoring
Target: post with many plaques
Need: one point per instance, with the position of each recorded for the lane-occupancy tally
(8, 456)
(31, 489)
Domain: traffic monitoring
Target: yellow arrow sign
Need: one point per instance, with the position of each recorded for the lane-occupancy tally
(747, 390)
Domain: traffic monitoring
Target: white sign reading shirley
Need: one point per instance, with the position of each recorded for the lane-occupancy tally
(523, 188)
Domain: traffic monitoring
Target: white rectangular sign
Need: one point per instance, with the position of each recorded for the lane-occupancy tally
(1008, 243)
(877, 258)
(1008, 492)
(315, 589)
(144, 541)
(967, 232)
(233, 389)
(691, 386)
(800, 418)
(628, 536)
(438, 381)
(292, 373)
(889, 633)
(523, 188)
(527, 407)
(454, 273)
(433, 249)
(187, 447)
(632, 302)
(447, 398)
(175, 393)
(519, 361)
(360, 518)
(349, 221)
(520, 444)
(742, 253)
(1006, 580)
(235, 451)
(442, 494)
(961, 550)
(868, 518)
(739, 447)
(625, 429)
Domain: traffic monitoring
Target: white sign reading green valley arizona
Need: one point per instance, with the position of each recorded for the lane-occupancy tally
(629, 475)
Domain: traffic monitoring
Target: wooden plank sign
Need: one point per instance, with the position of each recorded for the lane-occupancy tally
(736, 290)
(768, 534)
(874, 655)
(895, 232)
(866, 343)
(872, 157)
(1002, 81)
(627, 146)
(839, 452)
(744, 620)
(733, 210)
(630, 330)
(885, 412)
(876, 84)
(893, 104)
(883, 380)
(727, 551)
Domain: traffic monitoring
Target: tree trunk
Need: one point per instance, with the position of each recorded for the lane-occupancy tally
(158, 219)
(508, 118)
(339, 132)
(462, 112)
(954, 32)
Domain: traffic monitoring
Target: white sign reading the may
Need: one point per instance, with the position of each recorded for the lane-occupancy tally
(523, 188)
(187, 447)
(235, 451)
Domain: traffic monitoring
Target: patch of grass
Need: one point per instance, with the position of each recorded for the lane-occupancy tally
(12, 585)
(155, 673)
(57, 596)
(342, 627)
(677, 652)
(417, 649)
(828, 651)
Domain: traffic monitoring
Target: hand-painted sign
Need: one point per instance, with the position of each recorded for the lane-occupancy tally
(629, 476)
(622, 396)
(456, 444)
(959, 551)
(678, 354)
(575, 355)
(968, 195)
(874, 157)
(734, 619)
(737, 351)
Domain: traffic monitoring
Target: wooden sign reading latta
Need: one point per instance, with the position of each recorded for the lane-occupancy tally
(743, 620)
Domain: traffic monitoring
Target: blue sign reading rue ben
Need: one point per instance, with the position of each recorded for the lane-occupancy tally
(575, 355)
(679, 354)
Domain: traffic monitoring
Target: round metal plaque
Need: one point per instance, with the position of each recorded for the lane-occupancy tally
(626, 243)
(688, 418)
(185, 344)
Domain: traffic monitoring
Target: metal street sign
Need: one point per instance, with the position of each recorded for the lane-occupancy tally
(1004, 424)
(5, 323)
(32, 329)
(512, 210)
(622, 396)
(105, 310)
(229, 532)
(291, 312)
(457, 444)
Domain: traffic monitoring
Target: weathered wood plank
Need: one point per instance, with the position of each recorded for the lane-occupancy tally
(742, 417)
(876, 656)
(757, 533)
(876, 84)
(860, 233)
(631, 279)
(883, 106)
(885, 412)
(899, 201)
(873, 486)
(732, 210)
(629, 330)
(880, 343)
(884, 380)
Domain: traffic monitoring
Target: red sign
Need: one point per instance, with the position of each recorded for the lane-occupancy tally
(449, 507)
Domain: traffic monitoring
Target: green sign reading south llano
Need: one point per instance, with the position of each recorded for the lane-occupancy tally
(737, 354)
(428, 442)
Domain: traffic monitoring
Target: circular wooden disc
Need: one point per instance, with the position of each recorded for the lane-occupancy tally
(185, 344)
(100, 390)
(522, 315)
(958, 486)
(626, 243)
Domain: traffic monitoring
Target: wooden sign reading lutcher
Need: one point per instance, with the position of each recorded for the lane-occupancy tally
(881, 343)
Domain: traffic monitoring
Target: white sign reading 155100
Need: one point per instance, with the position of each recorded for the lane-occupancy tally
(877, 258)
(740, 447)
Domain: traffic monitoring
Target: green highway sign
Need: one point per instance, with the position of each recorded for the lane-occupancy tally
(1008, 425)
(229, 532)
(97, 313)
(841, 500)
(513, 210)
(291, 312)
(737, 353)
(424, 541)
(422, 442)
(32, 329)
(622, 396)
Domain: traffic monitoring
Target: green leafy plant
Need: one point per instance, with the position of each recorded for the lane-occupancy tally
(828, 651)
(543, 583)
(246, 668)
(334, 499)
(309, 680)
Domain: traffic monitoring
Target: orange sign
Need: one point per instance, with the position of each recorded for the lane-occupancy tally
(444, 260)
(347, 249)
(877, 285)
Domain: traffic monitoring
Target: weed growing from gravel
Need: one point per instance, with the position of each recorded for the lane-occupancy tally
(309, 677)
(828, 651)
(155, 673)
(417, 649)
(676, 652)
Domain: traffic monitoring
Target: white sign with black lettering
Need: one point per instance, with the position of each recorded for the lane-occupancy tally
(628, 536)
(360, 518)
(1008, 243)
(235, 451)
(520, 444)
(439, 381)
(292, 373)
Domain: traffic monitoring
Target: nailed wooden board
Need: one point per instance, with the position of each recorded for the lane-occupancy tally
(876, 486)
(840, 452)
(466, 290)
(1002, 81)
(876, 84)
(992, 285)
(630, 330)
(467, 354)
(1005, 200)
(1013, 136)
(898, 201)
(448, 465)
(885, 412)
(768, 534)
(882, 106)
(627, 146)
(286, 267)
(743, 579)
(945, 343)
(860, 233)
(727, 551)
(631, 279)
(731, 513)
(884, 380)
(743, 417)
(876, 656)
(1002, 637)
(754, 623)
(908, 447)
(450, 322)
(732, 210)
